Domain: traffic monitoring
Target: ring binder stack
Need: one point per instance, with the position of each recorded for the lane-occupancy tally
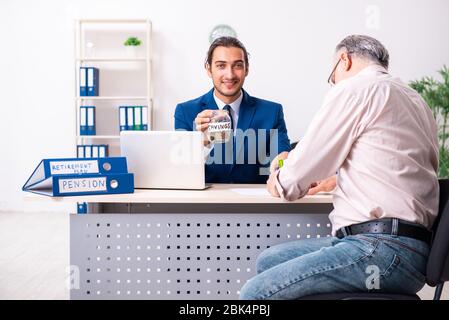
(87, 121)
(89, 82)
(133, 118)
(92, 151)
(76, 177)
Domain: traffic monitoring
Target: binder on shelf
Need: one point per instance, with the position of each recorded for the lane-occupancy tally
(133, 118)
(144, 118)
(93, 81)
(138, 118)
(91, 131)
(82, 81)
(122, 118)
(80, 151)
(129, 118)
(71, 176)
(92, 151)
(87, 151)
(83, 121)
(103, 151)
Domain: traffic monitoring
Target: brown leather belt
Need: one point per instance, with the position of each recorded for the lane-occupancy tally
(391, 226)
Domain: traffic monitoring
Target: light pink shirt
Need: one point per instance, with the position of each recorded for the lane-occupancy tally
(381, 137)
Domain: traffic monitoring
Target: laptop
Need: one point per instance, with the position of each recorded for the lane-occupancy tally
(164, 159)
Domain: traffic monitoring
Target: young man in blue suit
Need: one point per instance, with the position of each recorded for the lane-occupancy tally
(258, 125)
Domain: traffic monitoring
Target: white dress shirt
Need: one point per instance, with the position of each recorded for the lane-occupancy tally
(381, 137)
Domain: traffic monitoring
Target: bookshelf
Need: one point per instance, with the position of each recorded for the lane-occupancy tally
(124, 80)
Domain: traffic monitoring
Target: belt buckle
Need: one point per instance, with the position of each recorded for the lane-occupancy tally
(346, 231)
(394, 227)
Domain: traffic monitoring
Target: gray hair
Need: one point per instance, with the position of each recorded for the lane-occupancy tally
(365, 47)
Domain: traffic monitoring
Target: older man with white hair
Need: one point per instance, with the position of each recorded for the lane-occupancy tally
(381, 139)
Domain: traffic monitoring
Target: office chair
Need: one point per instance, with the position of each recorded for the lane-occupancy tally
(437, 264)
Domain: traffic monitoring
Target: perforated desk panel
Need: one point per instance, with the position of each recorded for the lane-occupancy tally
(176, 256)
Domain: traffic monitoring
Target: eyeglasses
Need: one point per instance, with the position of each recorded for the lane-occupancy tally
(331, 79)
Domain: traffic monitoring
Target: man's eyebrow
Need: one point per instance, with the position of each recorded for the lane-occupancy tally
(236, 61)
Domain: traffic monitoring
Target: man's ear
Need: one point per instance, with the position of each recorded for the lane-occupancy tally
(247, 70)
(208, 69)
(347, 61)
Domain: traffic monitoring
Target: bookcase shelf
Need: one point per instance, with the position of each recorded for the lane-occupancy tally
(112, 60)
(114, 21)
(113, 98)
(107, 35)
(99, 137)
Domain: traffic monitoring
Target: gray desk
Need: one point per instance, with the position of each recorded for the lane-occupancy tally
(171, 244)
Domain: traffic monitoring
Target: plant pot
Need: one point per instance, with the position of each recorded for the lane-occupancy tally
(131, 51)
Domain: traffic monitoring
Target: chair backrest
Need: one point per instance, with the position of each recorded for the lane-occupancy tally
(438, 262)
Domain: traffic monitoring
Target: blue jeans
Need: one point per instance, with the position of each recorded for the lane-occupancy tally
(362, 263)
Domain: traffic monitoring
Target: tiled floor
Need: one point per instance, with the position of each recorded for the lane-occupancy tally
(34, 255)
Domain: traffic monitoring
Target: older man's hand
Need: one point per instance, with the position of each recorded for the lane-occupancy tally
(271, 185)
(326, 185)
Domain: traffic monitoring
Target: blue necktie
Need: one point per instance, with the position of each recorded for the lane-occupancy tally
(228, 109)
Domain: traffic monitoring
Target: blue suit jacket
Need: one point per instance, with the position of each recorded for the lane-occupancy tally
(244, 164)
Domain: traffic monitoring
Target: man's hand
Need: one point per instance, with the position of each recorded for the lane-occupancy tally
(326, 185)
(271, 185)
(202, 122)
(275, 163)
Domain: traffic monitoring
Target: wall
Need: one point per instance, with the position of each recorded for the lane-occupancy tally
(290, 42)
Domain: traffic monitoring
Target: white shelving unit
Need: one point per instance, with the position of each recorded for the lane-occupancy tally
(110, 28)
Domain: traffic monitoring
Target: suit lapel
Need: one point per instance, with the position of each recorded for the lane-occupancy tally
(208, 101)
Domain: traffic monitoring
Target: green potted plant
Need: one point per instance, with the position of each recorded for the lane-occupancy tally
(436, 94)
(131, 45)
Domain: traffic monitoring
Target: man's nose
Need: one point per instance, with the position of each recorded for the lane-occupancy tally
(229, 72)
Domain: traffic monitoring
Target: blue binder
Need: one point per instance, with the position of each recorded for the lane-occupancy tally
(138, 118)
(92, 151)
(91, 128)
(133, 118)
(93, 81)
(88, 151)
(145, 118)
(72, 176)
(83, 81)
(123, 118)
(80, 151)
(85, 184)
(83, 120)
(130, 118)
(103, 151)
(53, 167)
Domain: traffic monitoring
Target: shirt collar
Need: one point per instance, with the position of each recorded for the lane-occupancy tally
(373, 68)
(369, 70)
(235, 105)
